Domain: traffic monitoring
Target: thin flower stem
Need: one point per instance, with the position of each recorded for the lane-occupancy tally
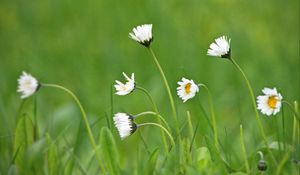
(90, 133)
(149, 97)
(160, 119)
(295, 127)
(167, 132)
(167, 87)
(213, 116)
(191, 130)
(244, 149)
(292, 109)
(255, 109)
(155, 114)
(283, 129)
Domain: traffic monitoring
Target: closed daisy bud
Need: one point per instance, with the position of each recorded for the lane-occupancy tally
(142, 34)
(28, 85)
(220, 48)
(262, 165)
(125, 124)
(187, 89)
(270, 102)
(128, 87)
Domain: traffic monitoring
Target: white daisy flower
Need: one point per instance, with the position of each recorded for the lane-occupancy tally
(125, 124)
(220, 48)
(128, 87)
(270, 102)
(142, 34)
(187, 89)
(28, 85)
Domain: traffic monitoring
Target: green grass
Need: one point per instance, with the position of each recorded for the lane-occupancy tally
(84, 46)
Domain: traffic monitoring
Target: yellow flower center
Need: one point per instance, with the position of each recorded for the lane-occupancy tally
(272, 101)
(188, 88)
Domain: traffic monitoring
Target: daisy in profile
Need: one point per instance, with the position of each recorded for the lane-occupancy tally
(142, 34)
(187, 89)
(128, 87)
(220, 48)
(270, 102)
(28, 85)
(125, 124)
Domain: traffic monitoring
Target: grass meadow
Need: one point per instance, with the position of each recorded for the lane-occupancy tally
(84, 46)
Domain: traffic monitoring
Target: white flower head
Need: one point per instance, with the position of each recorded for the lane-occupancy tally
(28, 85)
(220, 48)
(187, 89)
(125, 124)
(142, 34)
(128, 87)
(270, 102)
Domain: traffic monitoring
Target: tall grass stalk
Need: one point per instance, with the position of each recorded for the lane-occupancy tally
(167, 88)
(260, 126)
(213, 116)
(244, 149)
(85, 118)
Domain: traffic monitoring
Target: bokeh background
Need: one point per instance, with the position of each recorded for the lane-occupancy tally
(84, 46)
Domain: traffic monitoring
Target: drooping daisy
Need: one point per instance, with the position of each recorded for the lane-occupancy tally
(128, 87)
(125, 124)
(142, 34)
(220, 48)
(270, 102)
(187, 89)
(28, 85)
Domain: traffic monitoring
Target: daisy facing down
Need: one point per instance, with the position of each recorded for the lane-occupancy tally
(126, 126)
(128, 87)
(187, 89)
(270, 102)
(142, 34)
(28, 85)
(220, 48)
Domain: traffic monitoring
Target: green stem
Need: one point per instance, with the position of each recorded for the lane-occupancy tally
(283, 129)
(296, 128)
(149, 97)
(255, 109)
(285, 158)
(167, 132)
(213, 116)
(160, 119)
(167, 87)
(85, 118)
(292, 109)
(244, 149)
(155, 114)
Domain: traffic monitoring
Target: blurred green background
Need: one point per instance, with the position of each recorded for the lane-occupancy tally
(84, 46)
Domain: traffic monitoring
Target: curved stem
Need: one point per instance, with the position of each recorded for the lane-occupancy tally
(244, 149)
(167, 87)
(292, 109)
(85, 118)
(255, 109)
(150, 98)
(212, 111)
(155, 114)
(167, 132)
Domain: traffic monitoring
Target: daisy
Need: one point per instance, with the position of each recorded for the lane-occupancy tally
(125, 124)
(220, 48)
(142, 34)
(187, 89)
(28, 85)
(128, 87)
(270, 102)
